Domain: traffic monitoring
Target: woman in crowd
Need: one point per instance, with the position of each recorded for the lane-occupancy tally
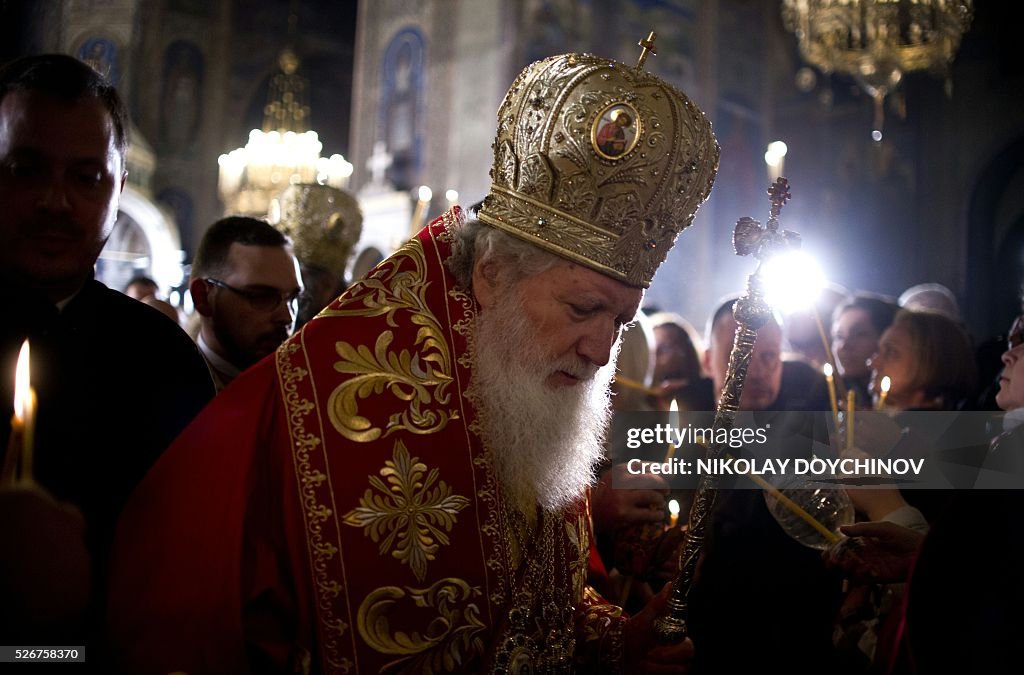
(857, 324)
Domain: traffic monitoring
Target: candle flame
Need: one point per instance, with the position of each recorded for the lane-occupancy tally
(22, 383)
(674, 408)
(886, 384)
(827, 368)
(673, 507)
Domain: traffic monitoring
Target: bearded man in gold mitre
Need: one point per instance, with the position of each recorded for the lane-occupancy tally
(402, 487)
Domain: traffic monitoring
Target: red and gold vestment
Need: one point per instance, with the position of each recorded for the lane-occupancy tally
(335, 510)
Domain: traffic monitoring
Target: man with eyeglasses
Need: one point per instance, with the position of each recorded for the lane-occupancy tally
(246, 288)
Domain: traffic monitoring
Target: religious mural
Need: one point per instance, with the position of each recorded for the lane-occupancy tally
(675, 21)
(181, 98)
(613, 28)
(555, 27)
(102, 55)
(401, 109)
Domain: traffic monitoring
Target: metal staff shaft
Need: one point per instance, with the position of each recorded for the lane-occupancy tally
(751, 313)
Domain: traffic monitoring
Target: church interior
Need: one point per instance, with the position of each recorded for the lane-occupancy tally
(883, 136)
(406, 90)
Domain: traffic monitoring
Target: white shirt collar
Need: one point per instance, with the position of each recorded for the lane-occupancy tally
(217, 362)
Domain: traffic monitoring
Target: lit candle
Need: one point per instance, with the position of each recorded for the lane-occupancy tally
(851, 405)
(23, 422)
(673, 511)
(886, 386)
(673, 412)
(832, 393)
(452, 196)
(424, 196)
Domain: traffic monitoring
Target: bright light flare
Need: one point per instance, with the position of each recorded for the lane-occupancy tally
(792, 281)
(775, 153)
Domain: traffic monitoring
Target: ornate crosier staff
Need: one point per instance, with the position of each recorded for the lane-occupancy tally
(751, 312)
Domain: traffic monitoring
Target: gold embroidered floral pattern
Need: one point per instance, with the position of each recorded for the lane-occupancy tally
(454, 636)
(579, 541)
(409, 514)
(420, 376)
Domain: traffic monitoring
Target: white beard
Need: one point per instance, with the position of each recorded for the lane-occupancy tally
(545, 441)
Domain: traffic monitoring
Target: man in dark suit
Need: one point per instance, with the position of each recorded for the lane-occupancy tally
(115, 380)
(757, 587)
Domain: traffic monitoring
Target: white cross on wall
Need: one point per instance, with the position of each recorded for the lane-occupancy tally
(378, 162)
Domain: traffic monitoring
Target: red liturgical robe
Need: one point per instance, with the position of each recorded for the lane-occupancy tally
(334, 510)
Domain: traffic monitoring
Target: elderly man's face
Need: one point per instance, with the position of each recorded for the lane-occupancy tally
(60, 178)
(542, 392)
(764, 375)
(576, 314)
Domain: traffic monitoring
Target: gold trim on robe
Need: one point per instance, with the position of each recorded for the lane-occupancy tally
(407, 535)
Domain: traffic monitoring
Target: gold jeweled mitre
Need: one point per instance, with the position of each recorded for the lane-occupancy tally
(324, 224)
(599, 163)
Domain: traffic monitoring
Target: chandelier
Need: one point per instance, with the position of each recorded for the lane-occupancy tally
(878, 41)
(285, 151)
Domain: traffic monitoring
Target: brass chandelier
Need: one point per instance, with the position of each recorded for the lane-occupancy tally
(878, 41)
(283, 152)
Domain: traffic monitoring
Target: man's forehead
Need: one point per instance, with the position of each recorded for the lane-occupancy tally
(619, 296)
(35, 121)
(258, 260)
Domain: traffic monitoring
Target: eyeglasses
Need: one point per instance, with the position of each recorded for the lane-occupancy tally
(1015, 337)
(265, 300)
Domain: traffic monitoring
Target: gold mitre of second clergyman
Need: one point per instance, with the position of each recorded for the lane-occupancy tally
(324, 224)
(599, 162)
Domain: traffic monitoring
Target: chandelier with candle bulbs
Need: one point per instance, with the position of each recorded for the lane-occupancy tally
(283, 152)
(878, 41)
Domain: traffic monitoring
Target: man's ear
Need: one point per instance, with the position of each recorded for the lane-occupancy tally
(486, 283)
(705, 362)
(200, 291)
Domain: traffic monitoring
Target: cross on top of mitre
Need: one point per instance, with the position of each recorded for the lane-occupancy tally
(648, 48)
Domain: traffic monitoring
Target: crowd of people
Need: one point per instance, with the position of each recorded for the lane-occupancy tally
(419, 478)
